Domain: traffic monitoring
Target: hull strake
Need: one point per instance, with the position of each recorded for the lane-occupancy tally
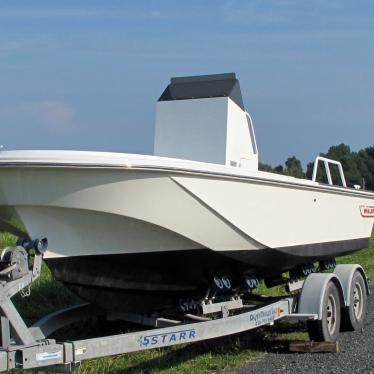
(144, 281)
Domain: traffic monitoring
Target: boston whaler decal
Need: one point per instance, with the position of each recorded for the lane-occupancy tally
(168, 337)
(367, 211)
(266, 316)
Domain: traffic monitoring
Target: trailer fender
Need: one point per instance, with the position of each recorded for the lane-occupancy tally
(312, 294)
(345, 274)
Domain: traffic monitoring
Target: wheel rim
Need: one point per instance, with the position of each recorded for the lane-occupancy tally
(357, 300)
(331, 314)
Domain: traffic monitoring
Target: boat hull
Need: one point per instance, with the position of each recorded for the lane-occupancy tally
(139, 239)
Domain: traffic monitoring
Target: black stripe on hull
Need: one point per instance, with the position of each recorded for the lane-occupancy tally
(269, 260)
(157, 280)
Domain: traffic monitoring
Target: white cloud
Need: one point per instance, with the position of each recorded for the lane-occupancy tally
(12, 45)
(15, 46)
(57, 13)
(53, 114)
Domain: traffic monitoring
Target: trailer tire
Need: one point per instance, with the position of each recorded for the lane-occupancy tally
(328, 328)
(353, 316)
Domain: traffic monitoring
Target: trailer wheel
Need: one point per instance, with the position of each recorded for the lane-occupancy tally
(353, 316)
(327, 329)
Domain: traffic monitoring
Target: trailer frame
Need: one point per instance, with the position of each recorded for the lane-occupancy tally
(25, 347)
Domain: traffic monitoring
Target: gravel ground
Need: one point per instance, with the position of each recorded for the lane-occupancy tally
(356, 355)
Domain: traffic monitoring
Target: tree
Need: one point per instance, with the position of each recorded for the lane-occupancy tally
(294, 168)
(365, 161)
(265, 167)
(358, 167)
(309, 170)
(279, 169)
(348, 159)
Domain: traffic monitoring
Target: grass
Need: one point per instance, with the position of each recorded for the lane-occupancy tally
(197, 358)
(218, 355)
(364, 258)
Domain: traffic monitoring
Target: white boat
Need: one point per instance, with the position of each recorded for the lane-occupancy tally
(139, 233)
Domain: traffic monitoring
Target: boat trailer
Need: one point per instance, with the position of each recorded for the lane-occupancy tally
(323, 300)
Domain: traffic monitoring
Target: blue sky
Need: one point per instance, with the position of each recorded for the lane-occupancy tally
(86, 74)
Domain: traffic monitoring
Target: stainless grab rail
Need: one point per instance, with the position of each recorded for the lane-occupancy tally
(327, 162)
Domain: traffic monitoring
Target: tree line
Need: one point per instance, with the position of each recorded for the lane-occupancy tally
(358, 167)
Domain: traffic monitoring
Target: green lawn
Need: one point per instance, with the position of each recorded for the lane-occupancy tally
(364, 258)
(215, 356)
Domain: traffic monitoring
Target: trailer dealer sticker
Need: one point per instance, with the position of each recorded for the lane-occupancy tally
(168, 337)
(265, 316)
(367, 211)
